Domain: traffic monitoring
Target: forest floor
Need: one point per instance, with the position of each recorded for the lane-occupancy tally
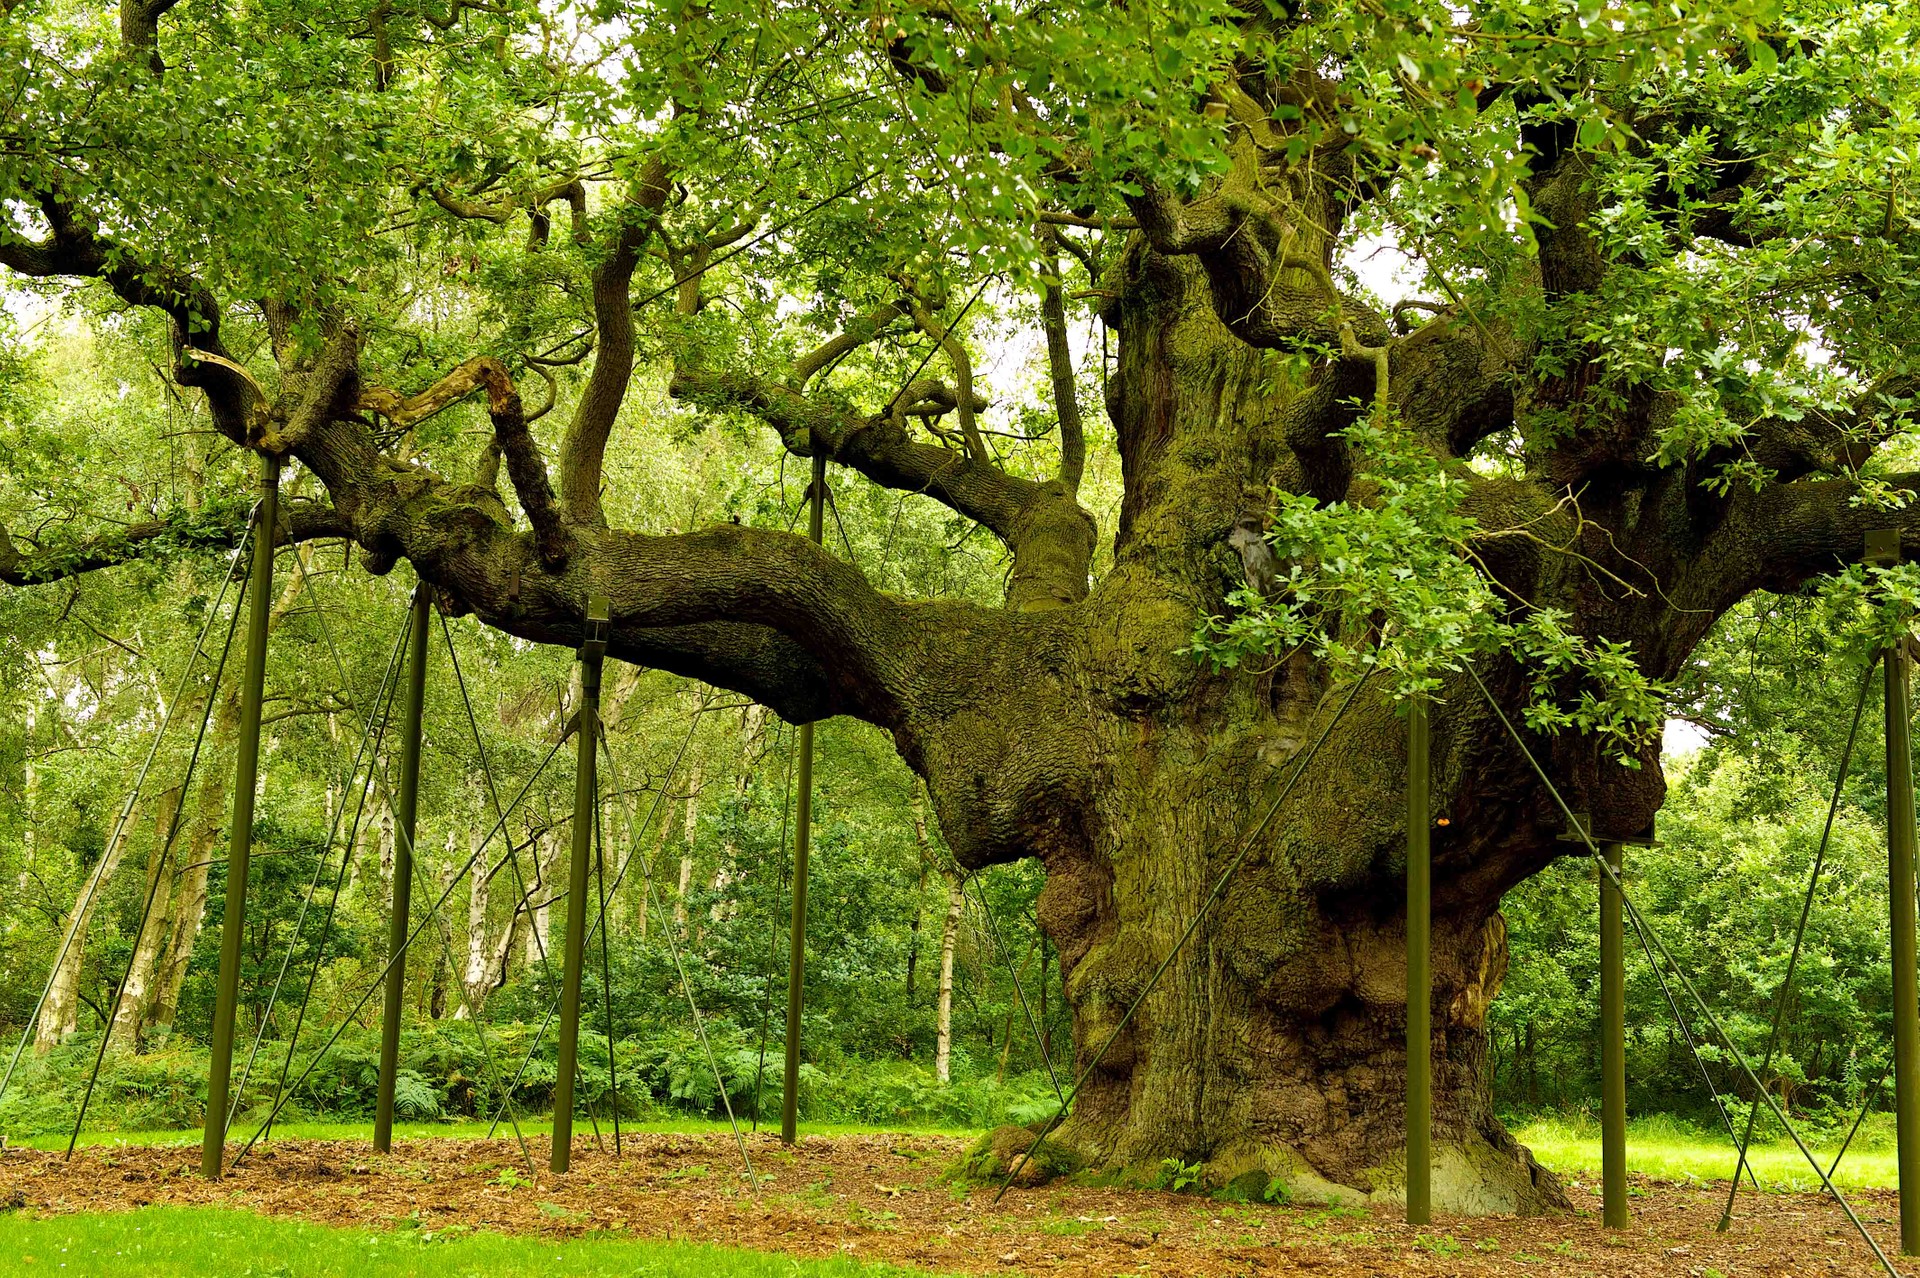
(880, 1197)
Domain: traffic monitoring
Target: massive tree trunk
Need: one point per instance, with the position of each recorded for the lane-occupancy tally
(1275, 1041)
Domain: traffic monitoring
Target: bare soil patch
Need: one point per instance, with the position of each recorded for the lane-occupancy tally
(884, 1197)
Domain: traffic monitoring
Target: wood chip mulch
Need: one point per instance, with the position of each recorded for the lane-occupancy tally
(882, 1197)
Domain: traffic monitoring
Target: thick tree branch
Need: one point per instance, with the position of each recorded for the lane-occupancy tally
(179, 533)
(1266, 255)
(515, 444)
(1832, 444)
(1053, 217)
(319, 390)
(1785, 535)
(1563, 194)
(525, 468)
(472, 210)
(583, 449)
(140, 28)
(1174, 226)
(570, 189)
(1066, 397)
(877, 446)
(77, 250)
(408, 411)
(690, 262)
(863, 330)
(956, 353)
(765, 612)
(1050, 536)
(1452, 382)
(574, 192)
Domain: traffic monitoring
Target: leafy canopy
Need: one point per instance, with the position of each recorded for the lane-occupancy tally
(362, 158)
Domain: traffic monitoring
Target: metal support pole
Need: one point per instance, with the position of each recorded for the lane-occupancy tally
(1419, 970)
(1613, 1046)
(802, 844)
(406, 807)
(1883, 548)
(593, 648)
(246, 774)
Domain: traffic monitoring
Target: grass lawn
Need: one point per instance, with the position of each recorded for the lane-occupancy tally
(170, 1242)
(1665, 1149)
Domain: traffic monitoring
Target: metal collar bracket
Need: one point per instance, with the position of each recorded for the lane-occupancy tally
(1579, 832)
(1582, 830)
(599, 627)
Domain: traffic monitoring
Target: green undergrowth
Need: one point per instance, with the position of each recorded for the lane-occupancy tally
(359, 1131)
(443, 1082)
(1666, 1148)
(165, 1242)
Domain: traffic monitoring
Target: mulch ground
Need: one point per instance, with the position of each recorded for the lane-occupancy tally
(879, 1197)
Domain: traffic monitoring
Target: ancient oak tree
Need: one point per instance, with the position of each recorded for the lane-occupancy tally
(1375, 336)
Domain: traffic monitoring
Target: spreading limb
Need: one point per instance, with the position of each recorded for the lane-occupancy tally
(1066, 398)
(526, 468)
(583, 450)
(300, 520)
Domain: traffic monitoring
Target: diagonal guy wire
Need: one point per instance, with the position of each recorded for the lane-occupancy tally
(1800, 932)
(1686, 983)
(126, 812)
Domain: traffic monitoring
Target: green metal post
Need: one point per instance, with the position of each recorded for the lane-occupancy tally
(1419, 970)
(802, 844)
(1613, 1046)
(246, 775)
(406, 806)
(593, 649)
(1906, 980)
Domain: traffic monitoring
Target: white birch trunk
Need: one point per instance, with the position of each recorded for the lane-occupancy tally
(546, 859)
(943, 1013)
(695, 780)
